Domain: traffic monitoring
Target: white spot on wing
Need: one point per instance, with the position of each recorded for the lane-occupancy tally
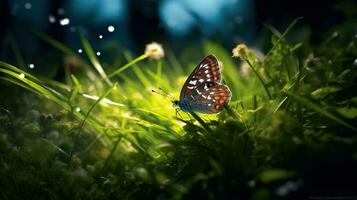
(209, 97)
(193, 82)
(189, 87)
(208, 76)
(201, 80)
(206, 71)
(204, 96)
(209, 104)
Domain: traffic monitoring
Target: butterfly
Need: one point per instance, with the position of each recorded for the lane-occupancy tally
(203, 91)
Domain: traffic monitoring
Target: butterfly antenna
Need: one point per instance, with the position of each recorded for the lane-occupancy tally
(166, 93)
(163, 93)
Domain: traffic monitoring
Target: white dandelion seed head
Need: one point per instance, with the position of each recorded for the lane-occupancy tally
(154, 50)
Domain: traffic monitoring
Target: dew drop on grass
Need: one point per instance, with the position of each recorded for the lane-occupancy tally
(51, 19)
(100, 36)
(355, 62)
(22, 75)
(111, 28)
(28, 6)
(64, 21)
(80, 50)
(31, 66)
(98, 53)
(78, 109)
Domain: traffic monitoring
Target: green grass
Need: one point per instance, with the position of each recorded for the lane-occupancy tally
(290, 113)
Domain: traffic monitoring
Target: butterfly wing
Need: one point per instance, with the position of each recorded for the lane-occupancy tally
(208, 98)
(207, 71)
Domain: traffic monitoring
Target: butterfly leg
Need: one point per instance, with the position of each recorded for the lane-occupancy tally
(178, 113)
(189, 117)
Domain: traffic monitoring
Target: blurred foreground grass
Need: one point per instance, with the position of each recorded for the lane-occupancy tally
(289, 131)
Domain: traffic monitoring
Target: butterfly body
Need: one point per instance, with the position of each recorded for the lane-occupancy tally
(203, 91)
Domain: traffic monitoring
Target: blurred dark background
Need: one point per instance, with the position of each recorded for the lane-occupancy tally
(177, 23)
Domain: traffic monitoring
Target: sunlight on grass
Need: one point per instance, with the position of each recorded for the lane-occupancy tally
(281, 102)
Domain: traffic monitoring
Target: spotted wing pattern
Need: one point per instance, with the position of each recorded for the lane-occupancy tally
(207, 71)
(209, 98)
(203, 91)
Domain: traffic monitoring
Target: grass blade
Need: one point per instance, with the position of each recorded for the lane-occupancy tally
(17, 53)
(95, 103)
(76, 89)
(203, 123)
(57, 44)
(260, 79)
(319, 110)
(76, 136)
(291, 25)
(126, 66)
(94, 60)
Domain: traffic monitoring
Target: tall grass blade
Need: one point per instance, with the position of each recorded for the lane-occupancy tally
(94, 60)
(15, 48)
(57, 44)
(43, 90)
(129, 64)
(319, 110)
(17, 70)
(95, 103)
(291, 25)
(200, 120)
(260, 79)
(76, 89)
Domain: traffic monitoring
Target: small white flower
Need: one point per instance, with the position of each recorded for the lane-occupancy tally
(241, 51)
(154, 50)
